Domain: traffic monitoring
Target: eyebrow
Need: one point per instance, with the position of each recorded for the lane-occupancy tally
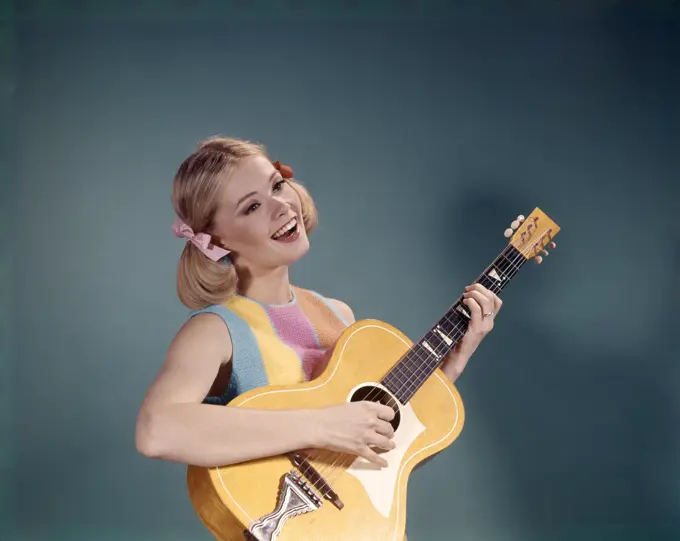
(271, 177)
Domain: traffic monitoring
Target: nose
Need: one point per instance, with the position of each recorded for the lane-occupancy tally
(279, 207)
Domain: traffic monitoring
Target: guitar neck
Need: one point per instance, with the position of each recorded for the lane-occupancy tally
(420, 362)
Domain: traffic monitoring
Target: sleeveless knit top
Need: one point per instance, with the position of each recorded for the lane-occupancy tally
(276, 344)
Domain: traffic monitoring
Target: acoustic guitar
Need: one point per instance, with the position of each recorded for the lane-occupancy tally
(321, 495)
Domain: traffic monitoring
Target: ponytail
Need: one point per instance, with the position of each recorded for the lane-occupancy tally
(202, 281)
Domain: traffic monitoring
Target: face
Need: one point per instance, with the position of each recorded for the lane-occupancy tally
(259, 217)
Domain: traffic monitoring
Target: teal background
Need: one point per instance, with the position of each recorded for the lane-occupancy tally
(421, 131)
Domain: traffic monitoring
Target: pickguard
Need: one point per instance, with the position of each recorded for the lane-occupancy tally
(380, 483)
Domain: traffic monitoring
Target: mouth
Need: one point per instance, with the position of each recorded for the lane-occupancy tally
(288, 232)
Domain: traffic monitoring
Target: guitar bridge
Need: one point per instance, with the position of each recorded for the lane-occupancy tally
(314, 477)
(295, 498)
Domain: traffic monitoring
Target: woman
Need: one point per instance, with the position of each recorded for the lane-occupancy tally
(246, 221)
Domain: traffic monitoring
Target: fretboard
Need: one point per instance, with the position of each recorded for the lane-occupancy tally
(420, 362)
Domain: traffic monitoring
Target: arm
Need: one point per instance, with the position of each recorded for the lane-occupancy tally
(484, 305)
(174, 425)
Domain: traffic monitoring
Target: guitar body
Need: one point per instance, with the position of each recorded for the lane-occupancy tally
(231, 499)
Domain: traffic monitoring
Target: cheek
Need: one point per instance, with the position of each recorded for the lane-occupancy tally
(252, 231)
(292, 199)
(242, 233)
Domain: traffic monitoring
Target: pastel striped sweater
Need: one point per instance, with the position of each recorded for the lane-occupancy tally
(276, 344)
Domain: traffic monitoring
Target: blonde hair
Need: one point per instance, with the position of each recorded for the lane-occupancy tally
(200, 280)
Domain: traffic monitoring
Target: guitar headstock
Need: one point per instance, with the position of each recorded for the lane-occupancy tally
(532, 236)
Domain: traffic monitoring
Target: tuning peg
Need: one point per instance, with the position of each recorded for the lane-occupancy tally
(513, 225)
(539, 259)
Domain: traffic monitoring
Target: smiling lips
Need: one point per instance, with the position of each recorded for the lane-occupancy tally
(287, 231)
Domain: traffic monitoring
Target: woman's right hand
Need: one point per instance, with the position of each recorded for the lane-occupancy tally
(354, 428)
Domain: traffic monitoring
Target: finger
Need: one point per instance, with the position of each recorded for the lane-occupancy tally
(483, 290)
(486, 303)
(475, 310)
(378, 440)
(477, 287)
(497, 303)
(384, 412)
(384, 428)
(373, 457)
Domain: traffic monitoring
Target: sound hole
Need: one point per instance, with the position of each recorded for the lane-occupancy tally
(371, 393)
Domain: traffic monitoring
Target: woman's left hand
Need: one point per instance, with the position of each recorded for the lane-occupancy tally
(484, 306)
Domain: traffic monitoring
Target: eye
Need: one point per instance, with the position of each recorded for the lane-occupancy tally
(252, 208)
(279, 185)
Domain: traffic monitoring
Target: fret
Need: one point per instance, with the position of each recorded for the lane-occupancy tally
(396, 382)
(410, 366)
(429, 349)
(436, 341)
(446, 337)
(459, 315)
(449, 324)
(404, 377)
(403, 392)
(509, 262)
(489, 283)
(502, 270)
(391, 381)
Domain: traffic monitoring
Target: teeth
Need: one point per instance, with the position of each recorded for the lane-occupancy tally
(286, 227)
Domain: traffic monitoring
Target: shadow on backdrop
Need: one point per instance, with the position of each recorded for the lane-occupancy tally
(585, 435)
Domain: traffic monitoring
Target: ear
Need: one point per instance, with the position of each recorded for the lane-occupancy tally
(513, 227)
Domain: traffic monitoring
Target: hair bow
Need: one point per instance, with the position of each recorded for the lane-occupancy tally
(200, 240)
(285, 170)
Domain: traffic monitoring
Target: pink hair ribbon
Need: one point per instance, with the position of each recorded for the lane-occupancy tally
(200, 240)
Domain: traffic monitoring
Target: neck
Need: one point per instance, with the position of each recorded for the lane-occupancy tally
(271, 286)
(420, 362)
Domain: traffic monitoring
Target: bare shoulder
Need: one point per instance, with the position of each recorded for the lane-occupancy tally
(197, 352)
(205, 333)
(344, 310)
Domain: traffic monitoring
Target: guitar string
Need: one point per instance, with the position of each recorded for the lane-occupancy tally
(323, 471)
(425, 366)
